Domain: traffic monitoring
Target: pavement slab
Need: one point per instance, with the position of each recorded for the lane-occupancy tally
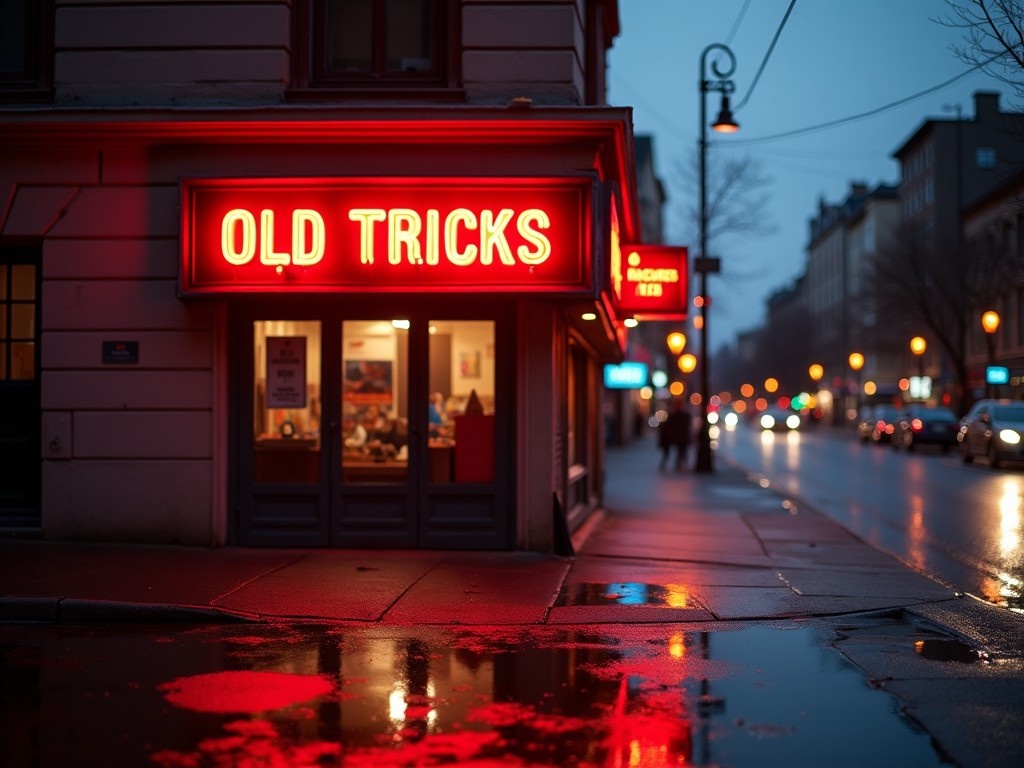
(899, 583)
(334, 585)
(483, 588)
(132, 573)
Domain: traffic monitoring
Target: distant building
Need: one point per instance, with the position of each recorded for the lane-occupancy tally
(844, 238)
(948, 167)
(994, 228)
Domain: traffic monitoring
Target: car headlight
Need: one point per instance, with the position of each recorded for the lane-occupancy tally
(767, 421)
(1009, 436)
(792, 421)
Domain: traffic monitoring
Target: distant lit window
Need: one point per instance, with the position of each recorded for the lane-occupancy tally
(985, 157)
(26, 46)
(373, 43)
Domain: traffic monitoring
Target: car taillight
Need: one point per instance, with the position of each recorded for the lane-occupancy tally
(916, 425)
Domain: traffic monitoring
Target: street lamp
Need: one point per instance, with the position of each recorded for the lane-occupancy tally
(676, 342)
(990, 324)
(918, 346)
(856, 361)
(815, 371)
(724, 123)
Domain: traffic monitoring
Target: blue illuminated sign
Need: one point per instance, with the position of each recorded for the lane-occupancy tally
(997, 374)
(626, 375)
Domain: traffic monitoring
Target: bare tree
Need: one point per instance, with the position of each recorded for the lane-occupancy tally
(993, 37)
(737, 207)
(914, 283)
(737, 198)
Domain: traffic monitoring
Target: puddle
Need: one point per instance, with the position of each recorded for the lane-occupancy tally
(539, 696)
(624, 593)
(948, 649)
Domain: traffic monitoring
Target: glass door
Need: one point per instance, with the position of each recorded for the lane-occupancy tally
(281, 457)
(377, 452)
(468, 426)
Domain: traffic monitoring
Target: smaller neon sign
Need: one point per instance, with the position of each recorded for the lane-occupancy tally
(628, 375)
(650, 281)
(997, 374)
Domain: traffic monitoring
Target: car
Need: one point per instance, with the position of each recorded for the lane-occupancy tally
(994, 429)
(877, 423)
(776, 419)
(920, 424)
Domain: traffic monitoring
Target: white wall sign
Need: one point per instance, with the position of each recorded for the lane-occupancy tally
(286, 371)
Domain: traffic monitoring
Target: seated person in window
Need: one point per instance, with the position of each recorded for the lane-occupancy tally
(355, 433)
(437, 419)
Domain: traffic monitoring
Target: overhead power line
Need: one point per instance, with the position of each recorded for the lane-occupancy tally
(861, 115)
(767, 55)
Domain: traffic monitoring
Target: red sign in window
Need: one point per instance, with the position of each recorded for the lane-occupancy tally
(650, 281)
(260, 235)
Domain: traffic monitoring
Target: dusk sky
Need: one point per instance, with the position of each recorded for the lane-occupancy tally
(833, 60)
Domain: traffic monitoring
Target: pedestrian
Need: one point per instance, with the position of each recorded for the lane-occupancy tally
(674, 433)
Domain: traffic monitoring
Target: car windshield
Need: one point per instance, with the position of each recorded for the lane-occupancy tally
(1009, 412)
(938, 414)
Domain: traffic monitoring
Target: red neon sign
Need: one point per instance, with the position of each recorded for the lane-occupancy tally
(650, 281)
(258, 235)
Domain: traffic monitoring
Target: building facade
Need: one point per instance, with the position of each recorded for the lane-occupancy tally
(844, 239)
(948, 169)
(287, 274)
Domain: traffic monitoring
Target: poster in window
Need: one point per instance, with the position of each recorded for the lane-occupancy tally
(286, 372)
(368, 382)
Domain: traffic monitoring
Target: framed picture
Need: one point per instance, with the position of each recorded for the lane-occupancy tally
(469, 364)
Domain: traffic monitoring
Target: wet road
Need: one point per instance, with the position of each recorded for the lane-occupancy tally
(959, 523)
(288, 696)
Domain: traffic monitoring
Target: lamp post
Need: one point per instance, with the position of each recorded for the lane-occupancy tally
(724, 123)
(856, 361)
(990, 324)
(918, 346)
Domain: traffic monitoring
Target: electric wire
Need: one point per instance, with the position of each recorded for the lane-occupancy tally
(767, 55)
(861, 115)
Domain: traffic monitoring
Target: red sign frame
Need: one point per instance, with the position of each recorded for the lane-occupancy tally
(392, 234)
(650, 282)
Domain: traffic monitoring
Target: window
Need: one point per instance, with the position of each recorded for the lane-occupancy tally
(985, 157)
(374, 44)
(26, 47)
(17, 322)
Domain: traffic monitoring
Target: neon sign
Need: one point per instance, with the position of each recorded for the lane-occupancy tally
(650, 281)
(253, 235)
(627, 375)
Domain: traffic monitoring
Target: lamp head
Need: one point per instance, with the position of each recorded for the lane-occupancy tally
(725, 122)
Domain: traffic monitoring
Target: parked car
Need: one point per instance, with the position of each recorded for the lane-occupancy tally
(779, 419)
(995, 429)
(877, 423)
(925, 424)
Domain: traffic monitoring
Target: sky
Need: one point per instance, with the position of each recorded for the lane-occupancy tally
(834, 59)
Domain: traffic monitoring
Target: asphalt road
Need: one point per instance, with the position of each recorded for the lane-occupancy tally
(959, 523)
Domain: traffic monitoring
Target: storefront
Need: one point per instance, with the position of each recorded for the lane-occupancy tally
(379, 332)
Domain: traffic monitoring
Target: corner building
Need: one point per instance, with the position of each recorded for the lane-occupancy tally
(297, 274)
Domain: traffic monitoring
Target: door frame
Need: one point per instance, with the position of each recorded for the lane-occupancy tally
(438, 515)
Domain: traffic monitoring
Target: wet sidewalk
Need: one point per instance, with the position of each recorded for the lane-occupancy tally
(673, 552)
(671, 547)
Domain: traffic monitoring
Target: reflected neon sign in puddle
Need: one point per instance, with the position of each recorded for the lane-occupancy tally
(752, 695)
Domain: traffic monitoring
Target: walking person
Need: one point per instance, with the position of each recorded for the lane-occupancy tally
(674, 433)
